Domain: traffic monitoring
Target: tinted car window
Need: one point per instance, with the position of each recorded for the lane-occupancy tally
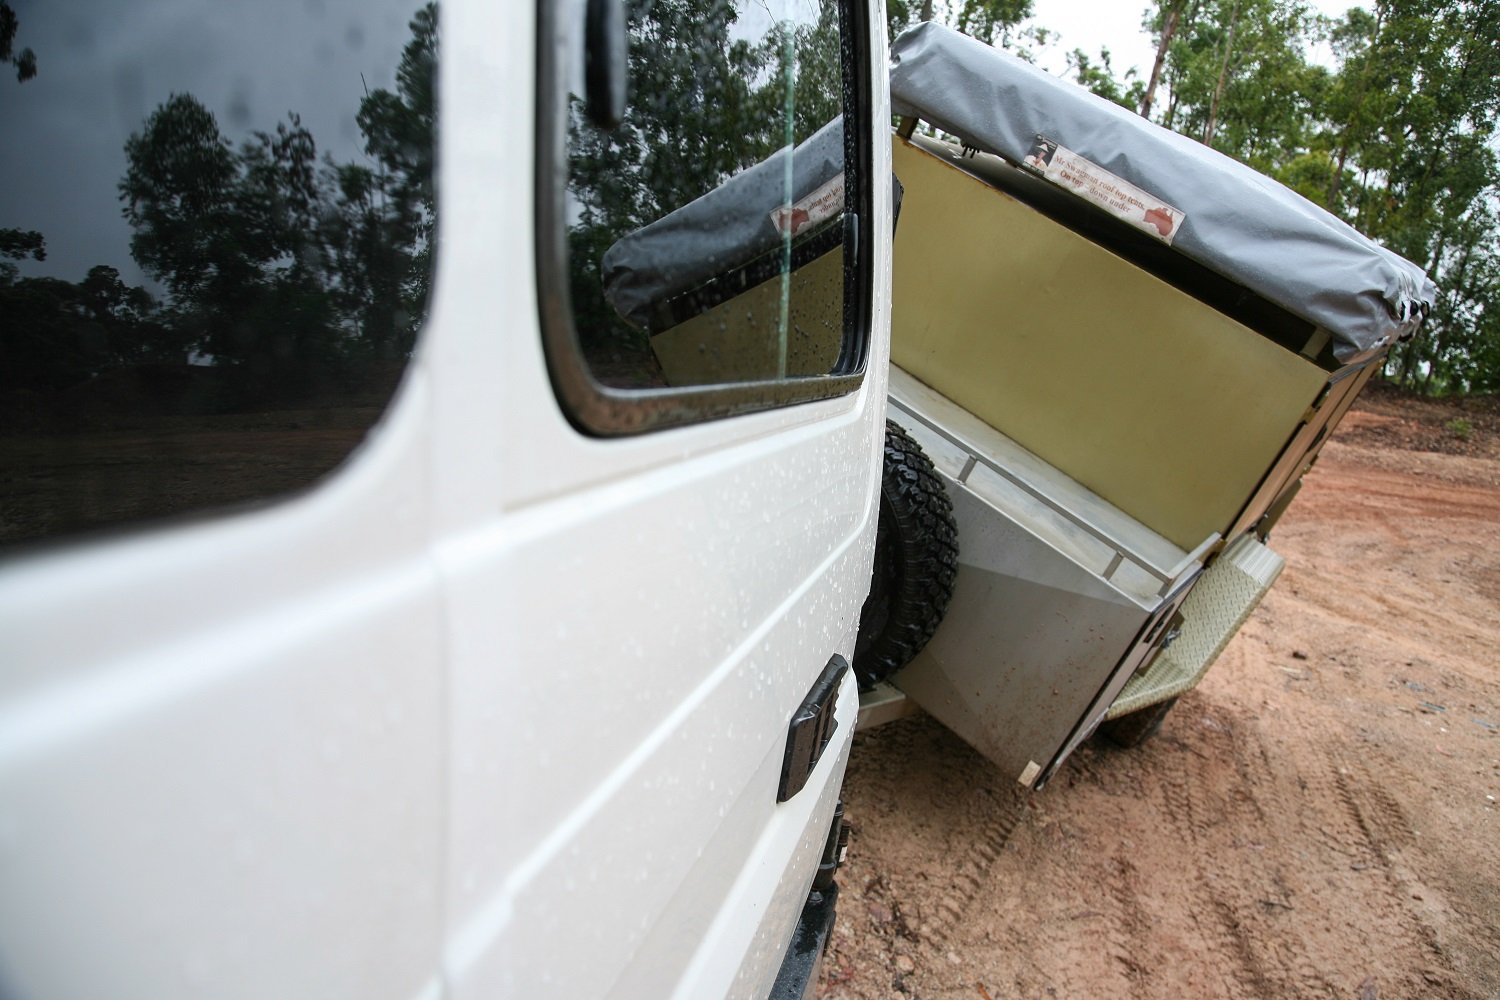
(215, 249)
(709, 238)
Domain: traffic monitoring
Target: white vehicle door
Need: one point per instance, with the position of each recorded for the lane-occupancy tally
(385, 610)
(661, 549)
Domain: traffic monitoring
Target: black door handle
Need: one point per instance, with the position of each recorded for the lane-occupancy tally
(811, 729)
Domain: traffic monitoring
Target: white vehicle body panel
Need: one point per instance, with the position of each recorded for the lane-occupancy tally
(221, 748)
(497, 709)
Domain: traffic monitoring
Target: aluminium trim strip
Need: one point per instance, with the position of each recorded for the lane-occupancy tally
(1122, 551)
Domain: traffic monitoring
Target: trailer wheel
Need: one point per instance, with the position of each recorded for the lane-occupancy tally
(1130, 731)
(916, 559)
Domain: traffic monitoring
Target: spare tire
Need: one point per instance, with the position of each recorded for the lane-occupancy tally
(916, 560)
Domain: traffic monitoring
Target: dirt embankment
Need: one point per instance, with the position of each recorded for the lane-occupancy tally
(1318, 819)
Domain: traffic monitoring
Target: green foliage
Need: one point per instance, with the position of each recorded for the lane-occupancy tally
(1099, 78)
(274, 258)
(689, 78)
(1238, 79)
(990, 21)
(1398, 138)
(1412, 129)
(1460, 428)
(179, 195)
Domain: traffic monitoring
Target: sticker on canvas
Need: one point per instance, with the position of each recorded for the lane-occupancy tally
(1040, 156)
(1091, 182)
(823, 204)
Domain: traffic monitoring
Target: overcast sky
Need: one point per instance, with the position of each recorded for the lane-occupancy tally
(102, 67)
(1116, 25)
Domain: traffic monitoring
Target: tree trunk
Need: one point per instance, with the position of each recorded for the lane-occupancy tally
(1446, 310)
(1437, 351)
(1169, 28)
(1329, 200)
(1213, 107)
(1409, 363)
(1363, 199)
(1345, 140)
(1413, 354)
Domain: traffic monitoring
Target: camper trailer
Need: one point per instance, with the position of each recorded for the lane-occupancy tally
(1115, 353)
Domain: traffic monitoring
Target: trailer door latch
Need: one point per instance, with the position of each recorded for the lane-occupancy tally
(811, 729)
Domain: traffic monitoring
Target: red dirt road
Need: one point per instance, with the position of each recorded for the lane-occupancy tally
(1318, 819)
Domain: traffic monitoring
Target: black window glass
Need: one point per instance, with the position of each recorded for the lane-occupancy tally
(216, 238)
(710, 236)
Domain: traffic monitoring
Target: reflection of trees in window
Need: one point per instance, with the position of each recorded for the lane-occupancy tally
(273, 262)
(284, 281)
(705, 103)
(24, 61)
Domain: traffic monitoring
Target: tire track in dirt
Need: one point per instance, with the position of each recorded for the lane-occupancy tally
(1360, 836)
(1367, 833)
(1269, 896)
(1337, 834)
(1253, 923)
(1253, 898)
(1386, 830)
(967, 812)
(1219, 928)
(1123, 934)
(1282, 963)
(993, 817)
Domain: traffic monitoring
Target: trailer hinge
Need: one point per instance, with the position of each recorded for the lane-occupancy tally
(1317, 404)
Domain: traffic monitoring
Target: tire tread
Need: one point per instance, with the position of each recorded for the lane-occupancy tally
(924, 540)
